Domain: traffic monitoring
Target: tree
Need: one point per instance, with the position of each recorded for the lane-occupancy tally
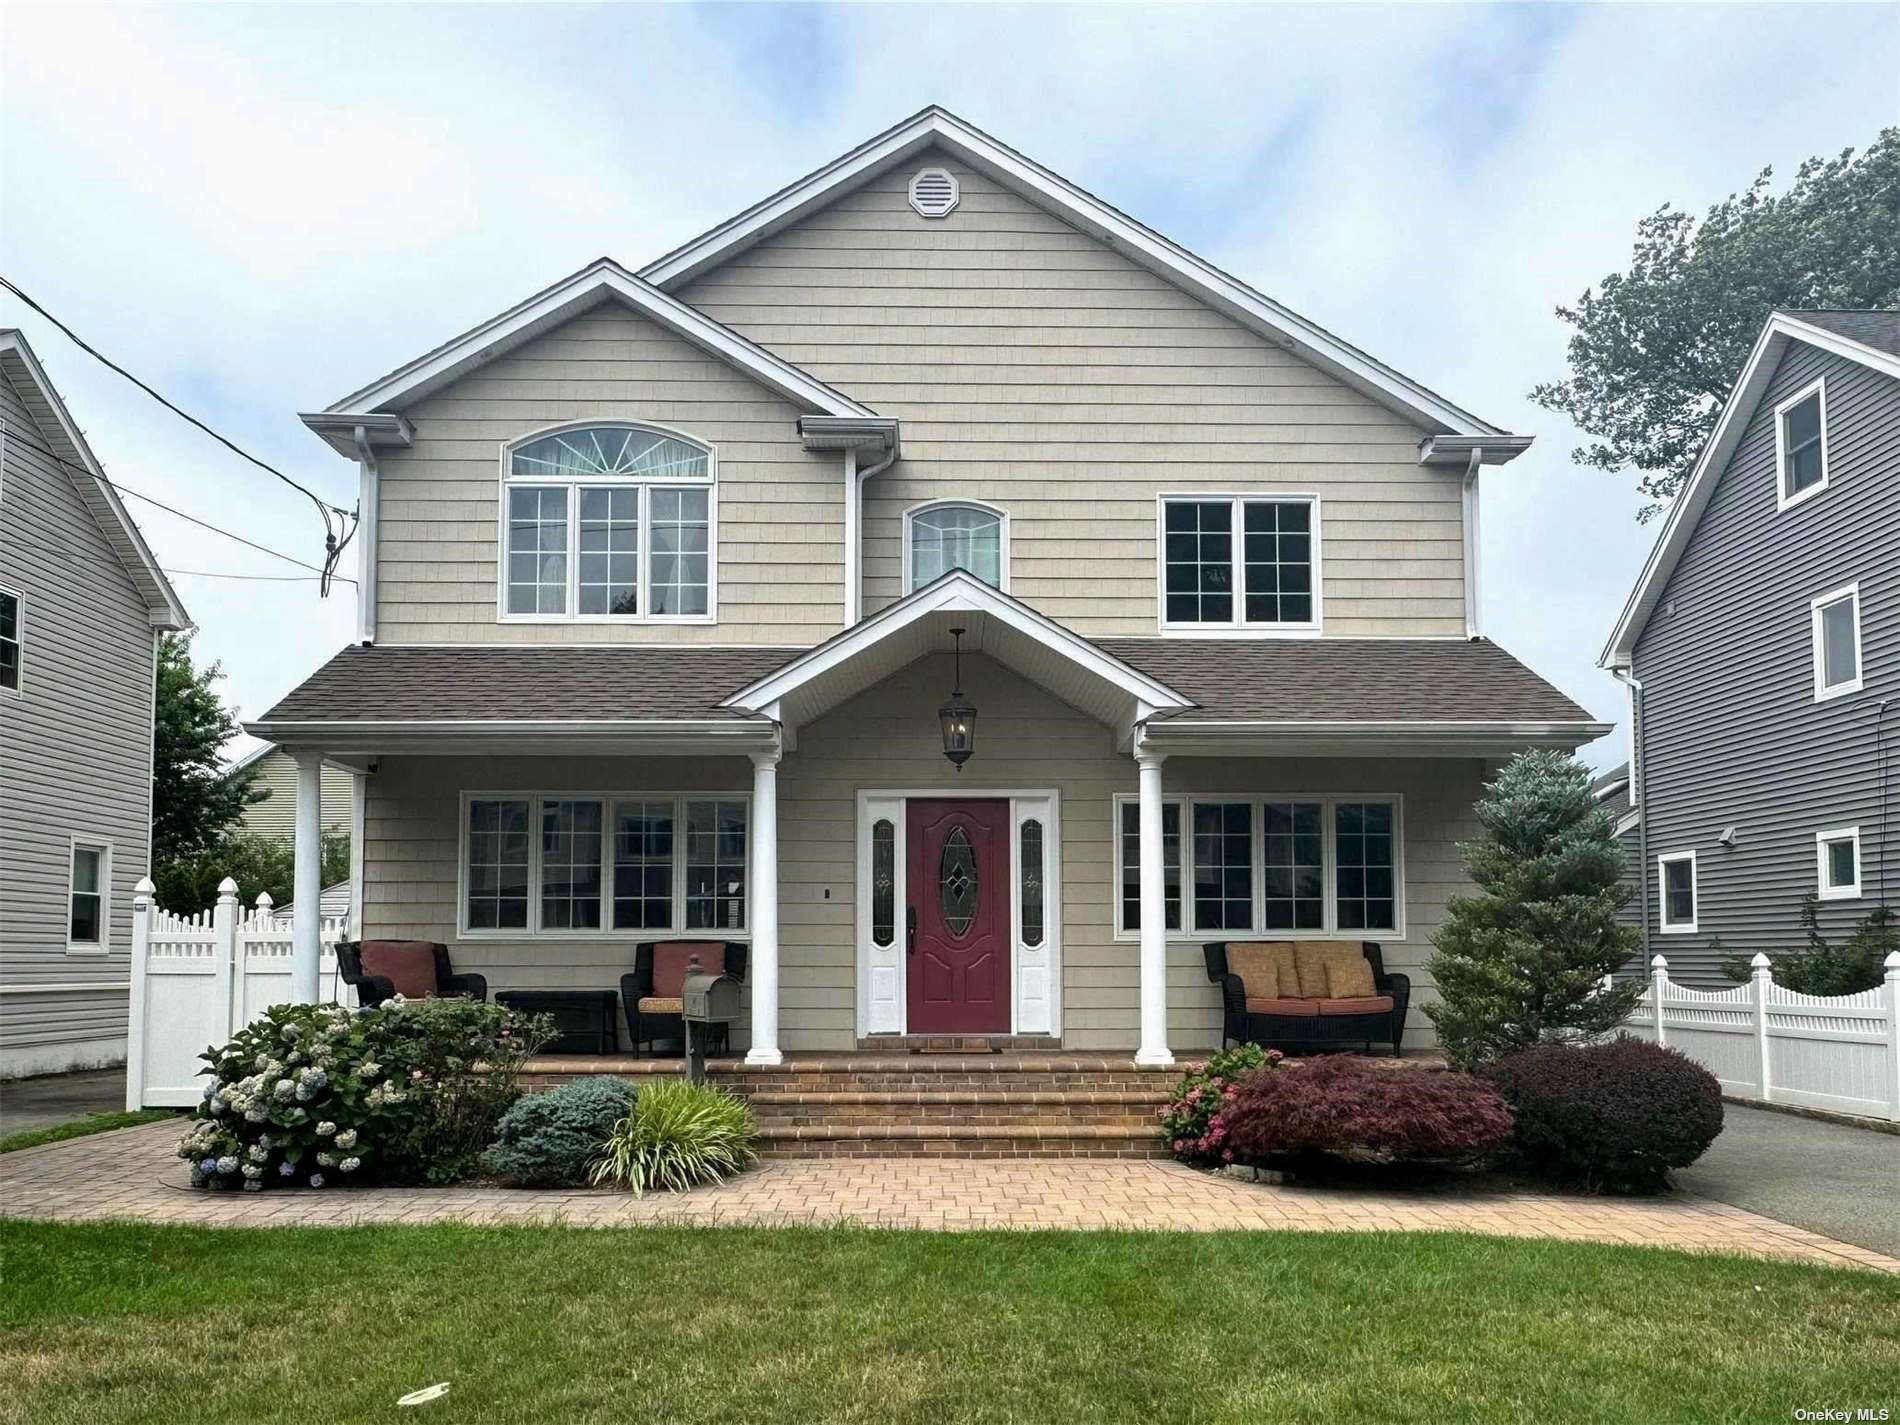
(1857, 963)
(1523, 962)
(1657, 348)
(196, 799)
(257, 863)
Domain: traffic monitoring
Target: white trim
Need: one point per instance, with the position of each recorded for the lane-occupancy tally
(953, 503)
(1664, 924)
(75, 843)
(1822, 840)
(19, 641)
(1189, 931)
(883, 997)
(609, 801)
(1238, 626)
(1823, 690)
(1729, 429)
(1783, 500)
(1134, 240)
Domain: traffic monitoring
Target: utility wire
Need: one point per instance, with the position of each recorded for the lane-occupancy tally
(90, 557)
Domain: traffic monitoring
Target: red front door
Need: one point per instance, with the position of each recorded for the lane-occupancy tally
(958, 927)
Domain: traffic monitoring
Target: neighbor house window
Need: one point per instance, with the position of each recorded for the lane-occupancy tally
(1675, 882)
(945, 537)
(1242, 562)
(1801, 445)
(1837, 854)
(1836, 618)
(86, 900)
(10, 636)
(605, 523)
(1319, 866)
(600, 864)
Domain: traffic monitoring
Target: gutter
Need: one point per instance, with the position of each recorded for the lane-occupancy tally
(852, 434)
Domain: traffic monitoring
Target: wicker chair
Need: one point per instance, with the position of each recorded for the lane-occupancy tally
(372, 990)
(651, 1024)
(1317, 1030)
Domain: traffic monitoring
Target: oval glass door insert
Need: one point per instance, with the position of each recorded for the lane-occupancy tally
(956, 882)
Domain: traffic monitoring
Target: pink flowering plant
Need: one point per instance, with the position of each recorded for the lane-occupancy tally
(1190, 1123)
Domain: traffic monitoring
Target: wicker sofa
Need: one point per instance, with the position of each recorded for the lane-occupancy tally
(650, 996)
(1262, 1014)
(372, 987)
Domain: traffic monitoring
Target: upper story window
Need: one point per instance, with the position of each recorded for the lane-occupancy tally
(1240, 562)
(1836, 619)
(608, 522)
(947, 536)
(1801, 445)
(10, 641)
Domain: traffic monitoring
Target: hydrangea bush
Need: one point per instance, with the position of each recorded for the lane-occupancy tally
(1189, 1123)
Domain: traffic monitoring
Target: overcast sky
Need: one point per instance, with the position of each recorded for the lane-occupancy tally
(260, 209)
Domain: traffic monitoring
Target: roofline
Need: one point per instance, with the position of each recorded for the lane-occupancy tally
(1456, 449)
(1737, 410)
(567, 298)
(1140, 243)
(1391, 738)
(168, 611)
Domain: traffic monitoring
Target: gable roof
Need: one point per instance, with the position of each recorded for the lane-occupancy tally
(1856, 336)
(936, 126)
(63, 437)
(600, 281)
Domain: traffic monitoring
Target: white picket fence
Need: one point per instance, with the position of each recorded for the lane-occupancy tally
(198, 979)
(1765, 1041)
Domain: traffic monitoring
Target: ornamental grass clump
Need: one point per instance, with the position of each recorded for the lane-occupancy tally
(1354, 1110)
(1190, 1123)
(553, 1139)
(679, 1134)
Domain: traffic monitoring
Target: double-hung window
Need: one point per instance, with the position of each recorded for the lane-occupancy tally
(1270, 865)
(1837, 858)
(90, 878)
(607, 522)
(1836, 632)
(1240, 562)
(1801, 446)
(1676, 888)
(11, 635)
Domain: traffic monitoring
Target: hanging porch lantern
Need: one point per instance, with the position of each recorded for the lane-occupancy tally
(958, 716)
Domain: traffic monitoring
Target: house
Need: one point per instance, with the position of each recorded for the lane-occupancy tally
(82, 606)
(1612, 792)
(274, 773)
(680, 584)
(1761, 647)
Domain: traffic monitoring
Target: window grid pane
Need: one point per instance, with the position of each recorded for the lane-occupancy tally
(1678, 892)
(609, 450)
(1170, 865)
(1364, 866)
(609, 572)
(1223, 865)
(643, 865)
(537, 550)
(1278, 550)
(1801, 444)
(570, 865)
(680, 577)
(1294, 867)
(1838, 661)
(498, 855)
(9, 641)
(956, 537)
(715, 865)
(1198, 553)
(1840, 863)
(83, 926)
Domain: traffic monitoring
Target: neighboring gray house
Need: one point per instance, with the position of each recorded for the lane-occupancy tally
(82, 606)
(664, 573)
(1762, 650)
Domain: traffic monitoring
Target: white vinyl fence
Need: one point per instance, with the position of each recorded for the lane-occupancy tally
(1765, 1041)
(197, 980)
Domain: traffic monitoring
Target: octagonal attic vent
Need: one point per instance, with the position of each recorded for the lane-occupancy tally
(934, 192)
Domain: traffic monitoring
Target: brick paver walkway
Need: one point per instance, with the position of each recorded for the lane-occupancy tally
(132, 1174)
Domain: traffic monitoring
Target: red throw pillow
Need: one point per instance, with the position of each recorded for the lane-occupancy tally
(409, 965)
(669, 963)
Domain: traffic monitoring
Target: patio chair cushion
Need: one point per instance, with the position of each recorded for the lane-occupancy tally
(1356, 1004)
(1265, 967)
(1348, 973)
(408, 965)
(1309, 958)
(1304, 1008)
(670, 958)
(658, 1004)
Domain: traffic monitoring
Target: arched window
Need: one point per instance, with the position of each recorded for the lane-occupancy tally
(956, 536)
(607, 520)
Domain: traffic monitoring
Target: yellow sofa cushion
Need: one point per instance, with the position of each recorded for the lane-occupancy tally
(1348, 973)
(1309, 957)
(1266, 968)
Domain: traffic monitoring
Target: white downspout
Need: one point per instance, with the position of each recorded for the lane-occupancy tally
(369, 478)
(1473, 606)
(854, 479)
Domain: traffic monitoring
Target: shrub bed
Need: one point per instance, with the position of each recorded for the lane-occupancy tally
(1615, 1116)
(1190, 1123)
(553, 1139)
(1348, 1108)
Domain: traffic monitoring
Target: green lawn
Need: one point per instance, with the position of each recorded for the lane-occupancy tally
(80, 1127)
(111, 1323)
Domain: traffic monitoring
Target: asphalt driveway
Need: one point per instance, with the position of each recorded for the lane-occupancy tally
(1841, 1182)
(59, 1098)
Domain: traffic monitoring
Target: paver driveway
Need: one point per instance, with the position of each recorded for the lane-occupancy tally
(132, 1174)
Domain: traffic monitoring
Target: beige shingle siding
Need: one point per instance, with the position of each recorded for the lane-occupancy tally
(276, 815)
(75, 747)
(1035, 368)
(781, 511)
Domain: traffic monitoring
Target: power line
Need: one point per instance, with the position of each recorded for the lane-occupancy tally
(91, 557)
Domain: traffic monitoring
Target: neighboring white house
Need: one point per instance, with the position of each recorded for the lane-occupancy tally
(82, 606)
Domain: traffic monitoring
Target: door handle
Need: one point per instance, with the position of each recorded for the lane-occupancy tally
(910, 929)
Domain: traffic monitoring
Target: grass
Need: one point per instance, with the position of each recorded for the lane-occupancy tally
(80, 1127)
(104, 1323)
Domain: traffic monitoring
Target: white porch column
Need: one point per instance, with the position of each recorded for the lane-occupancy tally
(762, 906)
(1153, 1051)
(307, 883)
